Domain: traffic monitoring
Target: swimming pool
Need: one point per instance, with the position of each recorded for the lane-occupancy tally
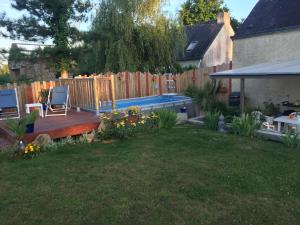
(150, 102)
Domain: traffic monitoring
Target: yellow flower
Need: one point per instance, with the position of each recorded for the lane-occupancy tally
(118, 125)
(26, 151)
(143, 122)
(133, 124)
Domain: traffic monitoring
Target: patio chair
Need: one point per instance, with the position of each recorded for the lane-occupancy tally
(58, 101)
(268, 126)
(9, 104)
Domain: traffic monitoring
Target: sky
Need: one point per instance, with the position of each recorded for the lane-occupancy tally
(239, 9)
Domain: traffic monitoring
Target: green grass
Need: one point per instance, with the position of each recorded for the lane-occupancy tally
(185, 175)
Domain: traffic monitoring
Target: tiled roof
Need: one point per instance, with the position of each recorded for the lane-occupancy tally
(270, 16)
(199, 38)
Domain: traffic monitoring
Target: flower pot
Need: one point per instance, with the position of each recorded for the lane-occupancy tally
(132, 118)
(30, 128)
(183, 110)
(44, 106)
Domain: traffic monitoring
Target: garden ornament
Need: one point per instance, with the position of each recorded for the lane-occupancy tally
(221, 124)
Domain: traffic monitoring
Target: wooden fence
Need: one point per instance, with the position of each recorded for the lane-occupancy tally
(94, 92)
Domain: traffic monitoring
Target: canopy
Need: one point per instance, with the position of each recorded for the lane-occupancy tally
(265, 70)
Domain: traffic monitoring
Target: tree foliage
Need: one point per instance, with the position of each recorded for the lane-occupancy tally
(44, 19)
(131, 35)
(199, 11)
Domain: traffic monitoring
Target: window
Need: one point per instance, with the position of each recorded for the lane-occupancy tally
(191, 46)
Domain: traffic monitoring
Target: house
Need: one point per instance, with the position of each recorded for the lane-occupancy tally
(22, 66)
(267, 47)
(208, 44)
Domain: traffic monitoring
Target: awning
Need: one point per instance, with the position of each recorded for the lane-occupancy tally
(265, 70)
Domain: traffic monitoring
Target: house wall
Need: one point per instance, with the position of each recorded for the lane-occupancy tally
(39, 70)
(276, 47)
(220, 51)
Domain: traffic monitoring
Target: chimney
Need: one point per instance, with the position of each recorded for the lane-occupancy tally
(223, 17)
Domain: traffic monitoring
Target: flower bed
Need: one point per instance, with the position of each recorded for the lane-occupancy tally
(125, 124)
(31, 150)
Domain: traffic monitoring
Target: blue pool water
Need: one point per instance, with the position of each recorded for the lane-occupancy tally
(151, 102)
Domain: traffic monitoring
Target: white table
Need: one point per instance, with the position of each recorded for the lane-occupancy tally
(35, 105)
(285, 119)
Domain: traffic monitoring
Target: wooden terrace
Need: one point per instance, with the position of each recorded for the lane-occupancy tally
(75, 123)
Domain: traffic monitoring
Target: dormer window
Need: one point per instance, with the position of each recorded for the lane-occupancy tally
(191, 46)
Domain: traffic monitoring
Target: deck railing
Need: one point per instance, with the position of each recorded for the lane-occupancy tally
(94, 92)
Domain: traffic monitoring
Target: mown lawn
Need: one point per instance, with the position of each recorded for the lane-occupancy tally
(183, 176)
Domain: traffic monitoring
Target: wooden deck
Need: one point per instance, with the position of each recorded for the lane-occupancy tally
(75, 123)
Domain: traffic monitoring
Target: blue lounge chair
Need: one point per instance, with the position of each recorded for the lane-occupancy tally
(9, 104)
(58, 101)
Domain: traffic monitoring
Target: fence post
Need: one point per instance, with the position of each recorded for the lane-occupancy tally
(160, 84)
(96, 96)
(113, 97)
(29, 93)
(75, 91)
(139, 84)
(230, 80)
(127, 84)
(147, 84)
(194, 77)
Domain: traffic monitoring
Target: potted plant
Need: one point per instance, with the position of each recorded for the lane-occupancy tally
(270, 111)
(221, 88)
(183, 110)
(133, 112)
(29, 121)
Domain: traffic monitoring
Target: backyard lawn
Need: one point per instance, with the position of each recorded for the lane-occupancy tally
(183, 176)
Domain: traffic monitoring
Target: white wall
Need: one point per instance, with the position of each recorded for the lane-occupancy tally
(220, 50)
(276, 47)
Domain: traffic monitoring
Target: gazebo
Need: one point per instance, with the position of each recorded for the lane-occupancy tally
(258, 71)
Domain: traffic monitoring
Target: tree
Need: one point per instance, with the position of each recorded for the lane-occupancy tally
(44, 19)
(131, 35)
(235, 23)
(197, 11)
(4, 70)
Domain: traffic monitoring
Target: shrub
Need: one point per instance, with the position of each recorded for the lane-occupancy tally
(122, 125)
(270, 109)
(167, 118)
(18, 127)
(211, 120)
(51, 146)
(206, 97)
(4, 79)
(291, 140)
(245, 125)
